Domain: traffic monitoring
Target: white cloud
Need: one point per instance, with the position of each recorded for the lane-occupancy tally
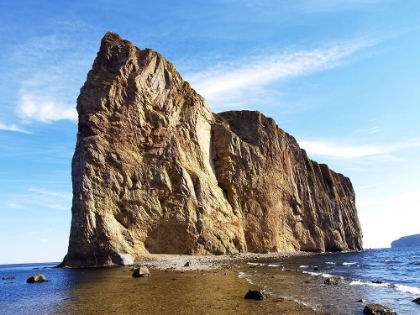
(340, 150)
(44, 109)
(12, 127)
(249, 77)
(50, 193)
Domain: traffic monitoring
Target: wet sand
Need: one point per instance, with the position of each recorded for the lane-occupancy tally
(209, 285)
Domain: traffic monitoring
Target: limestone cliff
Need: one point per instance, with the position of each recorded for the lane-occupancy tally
(154, 171)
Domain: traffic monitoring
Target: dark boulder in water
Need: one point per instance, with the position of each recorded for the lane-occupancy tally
(378, 309)
(36, 279)
(332, 281)
(8, 278)
(417, 300)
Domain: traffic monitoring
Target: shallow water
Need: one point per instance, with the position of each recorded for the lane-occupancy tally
(387, 276)
(115, 291)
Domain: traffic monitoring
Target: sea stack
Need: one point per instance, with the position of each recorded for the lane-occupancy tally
(155, 171)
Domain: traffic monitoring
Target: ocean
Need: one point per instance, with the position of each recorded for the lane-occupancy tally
(386, 276)
(390, 277)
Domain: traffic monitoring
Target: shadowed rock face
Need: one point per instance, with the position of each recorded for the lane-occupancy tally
(155, 171)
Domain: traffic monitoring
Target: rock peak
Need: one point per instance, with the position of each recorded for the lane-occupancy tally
(155, 171)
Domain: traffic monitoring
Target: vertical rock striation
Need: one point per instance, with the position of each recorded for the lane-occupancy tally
(154, 171)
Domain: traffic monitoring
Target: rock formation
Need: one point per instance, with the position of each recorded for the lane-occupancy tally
(155, 171)
(407, 241)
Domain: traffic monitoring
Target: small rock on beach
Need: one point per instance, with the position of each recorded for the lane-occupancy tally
(255, 295)
(142, 271)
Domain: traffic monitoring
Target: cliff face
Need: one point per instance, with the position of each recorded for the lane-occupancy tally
(154, 171)
(407, 241)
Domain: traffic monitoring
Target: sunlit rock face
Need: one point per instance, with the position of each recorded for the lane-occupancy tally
(155, 171)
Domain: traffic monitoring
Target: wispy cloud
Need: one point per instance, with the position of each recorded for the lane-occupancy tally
(52, 68)
(313, 6)
(37, 198)
(12, 127)
(49, 193)
(44, 109)
(238, 81)
(340, 150)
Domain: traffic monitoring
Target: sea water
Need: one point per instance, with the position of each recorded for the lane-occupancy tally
(390, 277)
(386, 276)
(19, 297)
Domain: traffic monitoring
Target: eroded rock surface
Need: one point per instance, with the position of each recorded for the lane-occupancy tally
(155, 171)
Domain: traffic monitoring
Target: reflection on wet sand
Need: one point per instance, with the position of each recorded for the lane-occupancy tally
(115, 291)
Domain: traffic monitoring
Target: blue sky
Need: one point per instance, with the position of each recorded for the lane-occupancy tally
(341, 76)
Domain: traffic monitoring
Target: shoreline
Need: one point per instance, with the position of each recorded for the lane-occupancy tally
(211, 262)
(227, 268)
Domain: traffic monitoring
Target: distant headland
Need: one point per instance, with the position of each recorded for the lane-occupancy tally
(407, 241)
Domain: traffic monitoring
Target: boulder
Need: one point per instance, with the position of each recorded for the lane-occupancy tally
(8, 278)
(417, 300)
(36, 279)
(142, 271)
(255, 295)
(378, 309)
(331, 281)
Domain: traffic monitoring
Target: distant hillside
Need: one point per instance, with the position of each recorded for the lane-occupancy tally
(407, 241)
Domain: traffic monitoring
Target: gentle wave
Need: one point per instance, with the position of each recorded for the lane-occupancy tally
(256, 264)
(273, 265)
(319, 274)
(303, 266)
(329, 263)
(399, 287)
(371, 284)
(349, 263)
(407, 289)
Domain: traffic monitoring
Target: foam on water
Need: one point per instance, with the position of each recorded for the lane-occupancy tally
(319, 274)
(408, 289)
(273, 265)
(371, 284)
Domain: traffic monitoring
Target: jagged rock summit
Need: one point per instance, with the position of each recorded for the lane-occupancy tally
(155, 171)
